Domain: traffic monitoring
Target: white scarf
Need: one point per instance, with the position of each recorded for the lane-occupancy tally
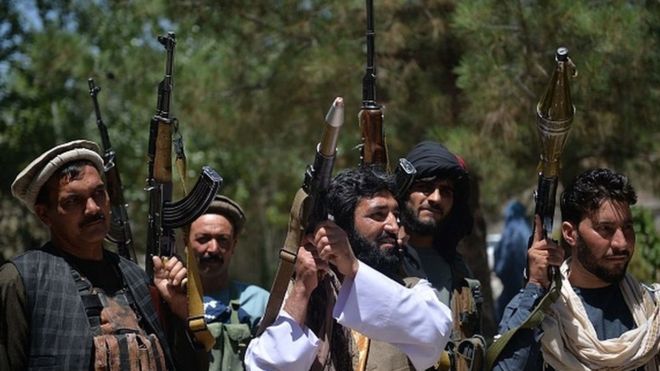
(569, 341)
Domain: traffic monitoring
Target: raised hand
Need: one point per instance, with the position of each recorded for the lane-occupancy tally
(169, 277)
(543, 253)
(332, 245)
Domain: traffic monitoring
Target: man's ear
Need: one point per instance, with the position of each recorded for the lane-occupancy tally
(570, 233)
(42, 213)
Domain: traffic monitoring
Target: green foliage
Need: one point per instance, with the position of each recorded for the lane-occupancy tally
(253, 80)
(646, 261)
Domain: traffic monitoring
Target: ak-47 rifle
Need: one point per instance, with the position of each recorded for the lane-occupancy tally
(306, 210)
(120, 229)
(373, 149)
(165, 215)
(554, 115)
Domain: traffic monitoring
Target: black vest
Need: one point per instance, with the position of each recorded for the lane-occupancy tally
(60, 334)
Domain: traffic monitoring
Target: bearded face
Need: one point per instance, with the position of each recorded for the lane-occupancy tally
(604, 241)
(374, 236)
(384, 260)
(429, 204)
(610, 273)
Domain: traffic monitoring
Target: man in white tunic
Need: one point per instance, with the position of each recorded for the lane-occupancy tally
(358, 312)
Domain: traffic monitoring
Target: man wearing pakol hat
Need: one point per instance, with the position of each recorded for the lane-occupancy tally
(232, 308)
(71, 304)
(436, 216)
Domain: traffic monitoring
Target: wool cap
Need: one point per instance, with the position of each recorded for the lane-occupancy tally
(228, 208)
(28, 183)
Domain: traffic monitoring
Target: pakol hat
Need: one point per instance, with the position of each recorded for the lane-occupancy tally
(28, 183)
(228, 208)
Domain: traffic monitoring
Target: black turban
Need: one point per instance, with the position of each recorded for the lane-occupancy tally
(434, 159)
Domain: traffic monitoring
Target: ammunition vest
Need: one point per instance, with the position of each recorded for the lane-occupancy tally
(231, 341)
(466, 347)
(61, 337)
(119, 342)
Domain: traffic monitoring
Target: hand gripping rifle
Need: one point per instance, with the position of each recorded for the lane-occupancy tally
(306, 209)
(165, 215)
(554, 115)
(373, 149)
(120, 229)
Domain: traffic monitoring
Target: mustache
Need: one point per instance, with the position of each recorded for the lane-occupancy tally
(432, 208)
(92, 219)
(387, 237)
(621, 253)
(208, 258)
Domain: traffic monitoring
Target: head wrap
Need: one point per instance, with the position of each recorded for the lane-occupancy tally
(228, 208)
(28, 182)
(434, 159)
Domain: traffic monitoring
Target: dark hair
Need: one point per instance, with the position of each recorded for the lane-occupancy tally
(349, 186)
(341, 199)
(69, 171)
(590, 189)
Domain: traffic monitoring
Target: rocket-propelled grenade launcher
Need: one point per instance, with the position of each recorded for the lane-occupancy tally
(554, 115)
(307, 209)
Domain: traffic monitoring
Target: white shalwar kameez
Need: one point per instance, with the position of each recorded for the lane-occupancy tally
(411, 319)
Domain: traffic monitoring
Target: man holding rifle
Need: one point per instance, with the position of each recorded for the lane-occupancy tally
(603, 318)
(71, 304)
(378, 322)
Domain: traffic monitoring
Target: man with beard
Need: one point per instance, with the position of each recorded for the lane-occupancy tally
(603, 318)
(436, 216)
(71, 304)
(354, 313)
(232, 308)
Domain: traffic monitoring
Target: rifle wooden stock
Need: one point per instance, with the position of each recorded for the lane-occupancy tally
(163, 156)
(374, 149)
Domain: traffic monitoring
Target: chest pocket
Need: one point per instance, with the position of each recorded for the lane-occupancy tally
(231, 340)
(119, 341)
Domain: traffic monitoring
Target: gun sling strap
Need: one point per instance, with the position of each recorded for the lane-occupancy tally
(196, 322)
(532, 321)
(288, 254)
